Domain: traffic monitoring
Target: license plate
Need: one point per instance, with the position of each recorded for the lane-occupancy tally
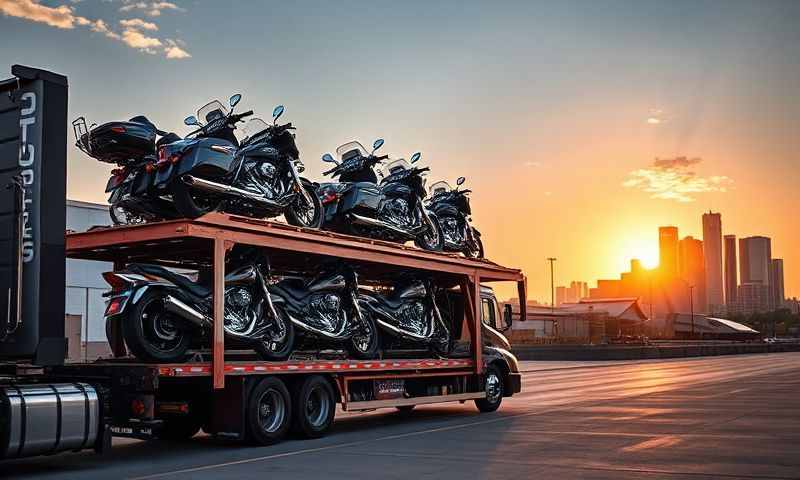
(389, 389)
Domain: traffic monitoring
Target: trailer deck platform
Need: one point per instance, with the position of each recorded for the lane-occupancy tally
(203, 243)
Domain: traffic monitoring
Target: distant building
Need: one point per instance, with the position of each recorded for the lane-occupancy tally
(668, 251)
(712, 250)
(692, 270)
(561, 295)
(778, 294)
(731, 278)
(752, 297)
(576, 291)
(755, 265)
(685, 325)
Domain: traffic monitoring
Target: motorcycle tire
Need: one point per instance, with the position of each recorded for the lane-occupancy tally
(475, 253)
(186, 203)
(367, 347)
(148, 323)
(121, 216)
(442, 349)
(271, 350)
(431, 241)
(317, 216)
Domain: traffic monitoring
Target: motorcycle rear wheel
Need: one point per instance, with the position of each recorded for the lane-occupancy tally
(432, 240)
(300, 214)
(188, 201)
(470, 252)
(152, 334)
(271, 349)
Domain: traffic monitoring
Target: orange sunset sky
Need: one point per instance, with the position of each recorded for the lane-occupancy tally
(555, 112)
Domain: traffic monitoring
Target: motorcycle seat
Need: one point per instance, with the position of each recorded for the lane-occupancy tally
(181, 281)
(294, 288)
(171, 137)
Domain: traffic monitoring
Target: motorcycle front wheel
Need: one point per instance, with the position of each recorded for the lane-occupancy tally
(366, 344)
(279, 344)
(301, 214)
(122, 216)
(154, 335)
(433, 239)
(189, 202)
(474, 251)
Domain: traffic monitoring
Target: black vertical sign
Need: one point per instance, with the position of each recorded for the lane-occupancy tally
(33, 136)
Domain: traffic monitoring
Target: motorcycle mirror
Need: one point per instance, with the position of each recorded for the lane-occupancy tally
(328, 158)
(277, 113)
(235, 99)
(191, 120)
(415, 158)
(460, 181)
(377, 144)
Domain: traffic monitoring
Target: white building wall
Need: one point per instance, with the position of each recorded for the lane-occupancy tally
(83, 277)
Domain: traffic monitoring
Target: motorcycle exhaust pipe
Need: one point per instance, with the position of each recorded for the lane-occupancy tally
(402, 333)
(181, 309)
(215, 187)
(377, 223)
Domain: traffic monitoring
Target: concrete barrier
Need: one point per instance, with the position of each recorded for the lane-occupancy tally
(639, 352)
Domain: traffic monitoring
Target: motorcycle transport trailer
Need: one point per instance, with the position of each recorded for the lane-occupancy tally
(47, 406)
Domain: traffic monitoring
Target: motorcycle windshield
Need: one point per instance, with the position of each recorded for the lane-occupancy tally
(395, 166)
(350, 150)
(211, 111)
(254, 127)
(439, 188)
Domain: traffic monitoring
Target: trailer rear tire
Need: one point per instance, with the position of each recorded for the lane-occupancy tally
(314, 407)
(269, 412)
(494, 387)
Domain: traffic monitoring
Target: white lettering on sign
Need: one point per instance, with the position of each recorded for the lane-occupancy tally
(27, 160)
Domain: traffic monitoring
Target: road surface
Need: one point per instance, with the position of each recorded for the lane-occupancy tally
(713, 417)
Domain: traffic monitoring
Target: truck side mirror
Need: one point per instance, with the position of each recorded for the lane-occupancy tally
(507, 316)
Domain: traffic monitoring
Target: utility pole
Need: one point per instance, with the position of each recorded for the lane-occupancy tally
(552, 287)
(691, 307)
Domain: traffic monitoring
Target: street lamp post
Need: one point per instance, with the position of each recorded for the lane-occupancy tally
(552, 296)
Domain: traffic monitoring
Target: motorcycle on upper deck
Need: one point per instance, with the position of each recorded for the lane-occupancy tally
(131, 146)
(390, 210)
(451, 206)
(257, 177)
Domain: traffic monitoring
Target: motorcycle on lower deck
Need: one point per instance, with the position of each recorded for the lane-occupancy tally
(390, 210)
(325, 310)
(131, 146)
(162, 314)
(408, 313)
(259, 177)
(451, 206)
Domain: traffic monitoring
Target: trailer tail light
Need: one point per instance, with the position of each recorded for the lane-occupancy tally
(174, 408)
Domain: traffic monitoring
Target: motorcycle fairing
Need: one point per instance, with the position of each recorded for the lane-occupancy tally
(443, 209)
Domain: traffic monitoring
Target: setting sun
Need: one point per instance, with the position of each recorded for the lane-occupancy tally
(644, 249)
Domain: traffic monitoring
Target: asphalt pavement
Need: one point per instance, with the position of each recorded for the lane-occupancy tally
(711, 417)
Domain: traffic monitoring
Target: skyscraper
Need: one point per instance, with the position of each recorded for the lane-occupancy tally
(691, 269)
(731, 279)
(668, 251)
(755, 266)
(778, 295)
(712, 253)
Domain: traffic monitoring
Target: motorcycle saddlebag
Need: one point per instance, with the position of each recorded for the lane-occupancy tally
(120, 142)
(362, 196)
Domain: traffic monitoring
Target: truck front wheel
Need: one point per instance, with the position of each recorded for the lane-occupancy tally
(269, 412)
(494, 387)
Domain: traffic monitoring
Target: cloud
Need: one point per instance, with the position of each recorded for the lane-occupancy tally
(675, 179)
(132, 34)
(532, 164)
(655, 117)
(59, 17)
(152, 9)
(138, 23)
(173, 50)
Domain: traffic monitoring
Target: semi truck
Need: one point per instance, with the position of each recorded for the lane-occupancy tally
(48, 405)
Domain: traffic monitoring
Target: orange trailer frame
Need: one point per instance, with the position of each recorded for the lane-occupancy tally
(205, 241)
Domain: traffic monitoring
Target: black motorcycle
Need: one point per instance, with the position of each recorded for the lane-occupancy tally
(392, 210)
(259, 177)
(131, 146)
(409, 313)
(325, 310)
(451, 206)
(164, 313)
